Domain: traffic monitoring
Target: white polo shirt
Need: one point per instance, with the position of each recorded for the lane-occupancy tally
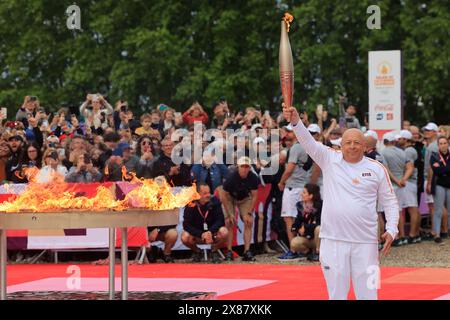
(350, 193)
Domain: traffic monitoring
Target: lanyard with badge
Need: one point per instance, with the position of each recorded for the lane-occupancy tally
(444, 161)
(204, 216)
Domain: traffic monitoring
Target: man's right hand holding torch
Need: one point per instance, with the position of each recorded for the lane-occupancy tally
(291, 115)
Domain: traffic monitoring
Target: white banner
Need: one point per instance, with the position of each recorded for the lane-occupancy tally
(385, 90)
(94, 238)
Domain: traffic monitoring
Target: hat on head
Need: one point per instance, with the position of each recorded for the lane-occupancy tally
(162, 107)
(389, 136)
(406, 134)
(124, 145)
(244, 161)
(371, 133)
(314, 128)
(259, 140)
(121, 147)
(289, 127)
(431, 126)
(336, 142)
(256, 126)
(16, 137)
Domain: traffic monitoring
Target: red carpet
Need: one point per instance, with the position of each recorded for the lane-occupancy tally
(263, 281)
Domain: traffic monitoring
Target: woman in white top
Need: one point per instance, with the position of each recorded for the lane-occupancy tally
(94, 117)
(51, 170)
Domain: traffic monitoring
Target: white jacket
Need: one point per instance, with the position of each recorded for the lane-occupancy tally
(46, 173)
(350, 193)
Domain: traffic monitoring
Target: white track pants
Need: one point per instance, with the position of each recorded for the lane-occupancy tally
(342, 261)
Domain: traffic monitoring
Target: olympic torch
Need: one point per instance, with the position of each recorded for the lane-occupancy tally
(286, 62)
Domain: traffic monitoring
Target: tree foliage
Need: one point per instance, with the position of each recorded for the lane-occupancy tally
(174, 52)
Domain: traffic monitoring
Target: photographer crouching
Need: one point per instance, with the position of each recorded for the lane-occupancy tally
(306, 243)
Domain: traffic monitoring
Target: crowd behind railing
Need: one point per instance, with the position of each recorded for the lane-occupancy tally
(239, 150)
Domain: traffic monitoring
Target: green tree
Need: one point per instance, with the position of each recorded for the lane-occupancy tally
(175, 52)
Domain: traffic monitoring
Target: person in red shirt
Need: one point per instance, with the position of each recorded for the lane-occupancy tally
(195, 113)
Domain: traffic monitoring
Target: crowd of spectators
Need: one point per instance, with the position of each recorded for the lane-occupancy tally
(96, 141)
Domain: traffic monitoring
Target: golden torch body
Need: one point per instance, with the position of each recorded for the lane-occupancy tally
(286, 63)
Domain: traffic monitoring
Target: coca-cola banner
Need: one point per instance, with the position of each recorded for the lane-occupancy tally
(385, 91)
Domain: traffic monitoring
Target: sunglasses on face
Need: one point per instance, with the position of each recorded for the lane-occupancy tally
(146, 143)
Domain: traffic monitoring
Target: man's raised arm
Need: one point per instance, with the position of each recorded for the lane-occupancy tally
(317, 151)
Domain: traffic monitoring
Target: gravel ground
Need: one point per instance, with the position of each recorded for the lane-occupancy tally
(424, 254)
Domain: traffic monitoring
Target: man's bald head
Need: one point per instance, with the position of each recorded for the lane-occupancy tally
(353, 145)
(371, 142)
(354, 133)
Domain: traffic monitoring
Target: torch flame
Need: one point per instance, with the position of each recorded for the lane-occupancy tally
(288, 18)
(58, 195)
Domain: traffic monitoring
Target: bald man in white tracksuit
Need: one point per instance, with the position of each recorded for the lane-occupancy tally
(349, 238)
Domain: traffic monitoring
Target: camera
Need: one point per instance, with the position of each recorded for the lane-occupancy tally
(87, 159)
(301, 113)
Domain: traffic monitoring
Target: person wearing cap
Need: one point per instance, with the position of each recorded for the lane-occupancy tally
(349, 234)
(287, 137)
(315, 131)
(405, 142)
(371, 138)
(240, 190)
(295, 176)
(336, 144)
(430, 132)
(399, 169)
(16, 144)
(121, 157)
(315, 172)
(51, 170)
